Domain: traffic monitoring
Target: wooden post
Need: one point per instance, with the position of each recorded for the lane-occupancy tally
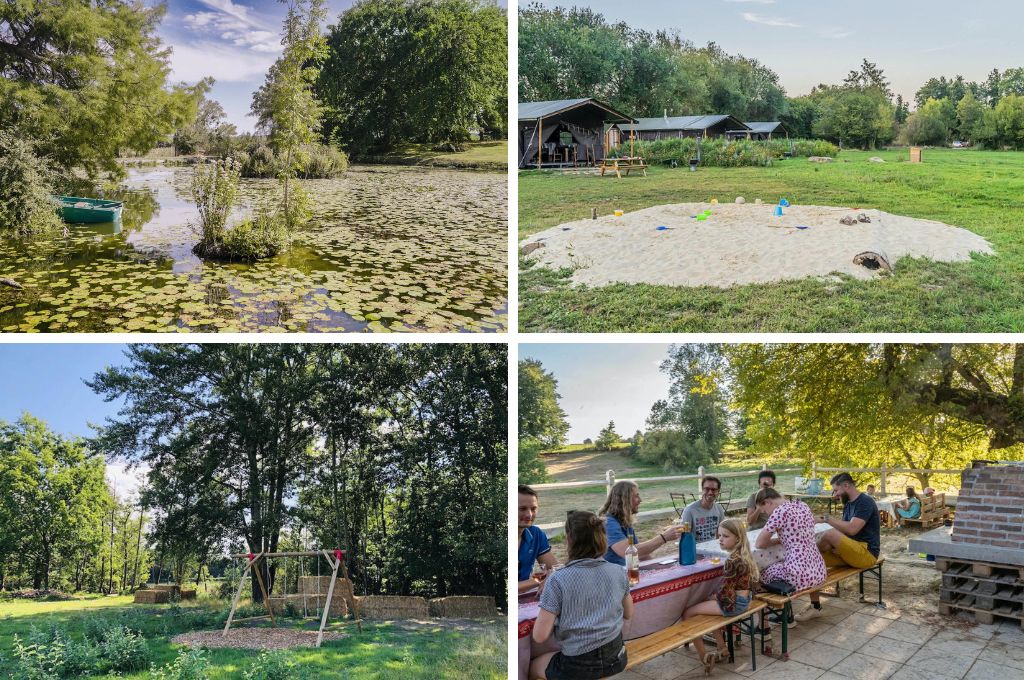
(540, 139)
(764, 466)
(263, 589)
(814, 469)
(609, 481)
(700, 480)
(238, 594)
(881, 485)
(330, 595)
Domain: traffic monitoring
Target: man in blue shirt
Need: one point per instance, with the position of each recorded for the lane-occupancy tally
(854, 540)
(533, 544)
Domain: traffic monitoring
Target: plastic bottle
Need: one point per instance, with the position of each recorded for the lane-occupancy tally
(687, 546)
(632, 563)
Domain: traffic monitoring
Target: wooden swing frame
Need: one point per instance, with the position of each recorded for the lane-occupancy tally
(336, 563)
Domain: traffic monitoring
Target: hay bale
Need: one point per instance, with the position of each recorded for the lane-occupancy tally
(187, 593)
(152, 597)
(310, 584)
(463, 607)
(393, 607)
(174, 590)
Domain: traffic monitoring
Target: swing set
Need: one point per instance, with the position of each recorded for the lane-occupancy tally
(335, 558)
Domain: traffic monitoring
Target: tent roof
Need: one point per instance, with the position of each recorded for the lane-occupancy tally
(531, 111)
(765, 127)
(685, 122)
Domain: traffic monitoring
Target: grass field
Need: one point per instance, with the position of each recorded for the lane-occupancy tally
(383, 651)
(978, 190)
(479, 155)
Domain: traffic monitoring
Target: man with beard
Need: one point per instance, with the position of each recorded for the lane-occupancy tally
(854, 540)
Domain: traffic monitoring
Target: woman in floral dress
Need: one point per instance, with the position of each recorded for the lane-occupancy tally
(791, 524)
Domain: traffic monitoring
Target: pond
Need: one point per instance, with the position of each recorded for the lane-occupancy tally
(388, 249)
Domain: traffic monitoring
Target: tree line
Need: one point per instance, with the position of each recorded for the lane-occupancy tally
(921, 407)
(63, 527)
(574, 53)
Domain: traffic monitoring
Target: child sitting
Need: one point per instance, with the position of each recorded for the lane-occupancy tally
(909, 508)
(740, 573)
(589, 597)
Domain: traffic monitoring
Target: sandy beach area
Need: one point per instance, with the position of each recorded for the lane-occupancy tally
(741, 244)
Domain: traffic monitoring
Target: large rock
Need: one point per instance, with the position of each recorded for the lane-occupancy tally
(530, 247)
(876, 159)
(819, 159)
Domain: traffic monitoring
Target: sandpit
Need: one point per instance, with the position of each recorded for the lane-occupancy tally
(741, 244)
(253, 638)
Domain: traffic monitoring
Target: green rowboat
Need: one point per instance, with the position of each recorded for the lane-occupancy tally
(78, 210)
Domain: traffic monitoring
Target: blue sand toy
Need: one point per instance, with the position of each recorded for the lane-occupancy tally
(778, 211)
(784, 203)
(802, 226)
(660, 228)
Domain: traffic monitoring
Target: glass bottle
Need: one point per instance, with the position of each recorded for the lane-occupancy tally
(632, 561)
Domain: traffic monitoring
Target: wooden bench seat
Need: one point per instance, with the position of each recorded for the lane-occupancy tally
(782, 605)
(654, 645)
(933, 511)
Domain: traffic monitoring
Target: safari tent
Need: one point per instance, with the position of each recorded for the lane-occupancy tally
(567, 132)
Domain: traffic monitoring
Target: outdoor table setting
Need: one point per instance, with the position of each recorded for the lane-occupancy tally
(763, 556)
(666, 588)
(825, 496)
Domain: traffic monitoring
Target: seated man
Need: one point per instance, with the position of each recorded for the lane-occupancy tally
(705, 514)
(854, 540)
(910, 508)
(756, 518)
(533, 544)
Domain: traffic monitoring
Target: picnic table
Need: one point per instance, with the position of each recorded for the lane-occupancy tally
(763, 557)
(666, 588)
(623, 164)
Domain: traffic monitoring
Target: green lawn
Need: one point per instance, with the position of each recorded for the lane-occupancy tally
(383, 651)
(480, 155)
(979, 190)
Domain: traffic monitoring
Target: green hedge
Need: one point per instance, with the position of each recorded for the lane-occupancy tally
(720, 153)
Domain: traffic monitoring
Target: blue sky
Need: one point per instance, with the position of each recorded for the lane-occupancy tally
(602, 382)
(45, 379)
(807, 42)
(235, 42)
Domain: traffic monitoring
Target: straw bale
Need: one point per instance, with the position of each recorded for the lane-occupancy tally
(463, 607)
(393, 607)
(187, 594)
(152, 596)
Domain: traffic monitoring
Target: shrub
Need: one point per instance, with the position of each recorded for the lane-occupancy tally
(214, 189)
(26, 184)
(190, 664)
(260, 162)
(265, 235)
(51, 653)
(123, 650)
(270, 666)
(321, 162)
(718, 152)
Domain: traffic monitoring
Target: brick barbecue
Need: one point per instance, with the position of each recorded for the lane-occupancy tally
(990, 509)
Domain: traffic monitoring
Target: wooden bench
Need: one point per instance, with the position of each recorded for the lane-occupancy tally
(782, 605)
(654, 645)
(933, 511)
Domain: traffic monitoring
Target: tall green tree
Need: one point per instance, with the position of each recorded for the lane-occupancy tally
(607, 437)
(970, 115)
(84, 80)
(285, 105)
(401, 71)
(540, 416)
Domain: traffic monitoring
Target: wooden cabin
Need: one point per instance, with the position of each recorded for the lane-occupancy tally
(671, 127)
(567, 132)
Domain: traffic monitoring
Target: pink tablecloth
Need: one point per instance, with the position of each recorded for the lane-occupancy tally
(661, 596)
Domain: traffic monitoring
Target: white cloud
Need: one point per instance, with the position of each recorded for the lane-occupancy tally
(126, 483)
(835, 33)
(234, 23)
(769, 21)
(226, 63)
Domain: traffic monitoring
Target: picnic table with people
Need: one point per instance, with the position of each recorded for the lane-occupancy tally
(574, 619)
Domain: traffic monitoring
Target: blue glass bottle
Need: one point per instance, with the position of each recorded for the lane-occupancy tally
(687, 546)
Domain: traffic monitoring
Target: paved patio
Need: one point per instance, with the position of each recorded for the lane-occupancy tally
(854, 641)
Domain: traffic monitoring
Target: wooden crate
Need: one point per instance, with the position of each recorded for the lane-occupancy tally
(978, 568)
(933, 512)
(915, 154)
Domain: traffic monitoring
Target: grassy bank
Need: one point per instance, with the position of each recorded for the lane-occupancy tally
(978, 190)
(383, 651)
(477, 156)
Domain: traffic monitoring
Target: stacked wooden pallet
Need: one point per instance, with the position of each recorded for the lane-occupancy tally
(989, 591)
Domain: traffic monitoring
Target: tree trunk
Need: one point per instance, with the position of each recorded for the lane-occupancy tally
(138, 551)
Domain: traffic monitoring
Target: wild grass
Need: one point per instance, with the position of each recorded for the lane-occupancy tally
(383, 651)
(982, 191)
